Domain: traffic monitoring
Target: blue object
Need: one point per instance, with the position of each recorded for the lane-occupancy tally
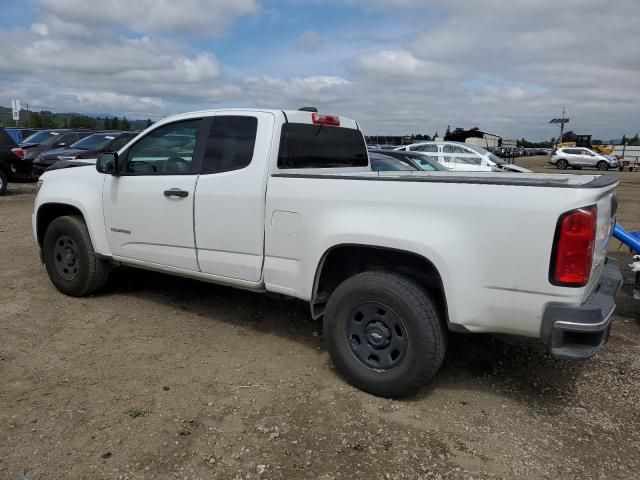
(15, 133)
(630, 239)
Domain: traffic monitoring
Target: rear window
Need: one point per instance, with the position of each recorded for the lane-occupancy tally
(319, 146)
(40, 137)
(6, 139)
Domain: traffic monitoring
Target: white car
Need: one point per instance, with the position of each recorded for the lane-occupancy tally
(286, 202)
(463, 157)
(579, 157)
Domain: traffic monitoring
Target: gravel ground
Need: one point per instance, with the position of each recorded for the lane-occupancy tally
(161, 377)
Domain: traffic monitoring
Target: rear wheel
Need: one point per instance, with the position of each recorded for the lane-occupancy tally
(602, 165)
(71, 262)
(3, 182)
(384, 333)
(562, 164)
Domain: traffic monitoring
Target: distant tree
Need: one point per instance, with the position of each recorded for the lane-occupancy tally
(149, 123)
(435, 135)
(635, 140)
(107, 123)
(36, 120)
(624, 139)
(448, 132)
(115, 123)
(124, 124)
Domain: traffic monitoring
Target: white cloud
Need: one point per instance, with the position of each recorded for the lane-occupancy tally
(189, 17)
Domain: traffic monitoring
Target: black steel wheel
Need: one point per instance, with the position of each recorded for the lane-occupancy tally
(377, 336)
(65, 256)
(384, 333)
(72, 264)
(562, 164)
(603, 166)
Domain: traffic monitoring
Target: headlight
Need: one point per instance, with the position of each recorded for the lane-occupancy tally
(38, 186)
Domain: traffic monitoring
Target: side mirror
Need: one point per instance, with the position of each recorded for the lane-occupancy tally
(108, 163)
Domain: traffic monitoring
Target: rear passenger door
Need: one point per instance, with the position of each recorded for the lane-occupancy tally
(230, 195)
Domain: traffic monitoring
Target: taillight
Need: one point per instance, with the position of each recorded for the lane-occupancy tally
(573, 247)
(18, 152)
(324, 119)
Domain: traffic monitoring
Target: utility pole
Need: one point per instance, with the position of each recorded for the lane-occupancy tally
(561, 121)
(562, 124)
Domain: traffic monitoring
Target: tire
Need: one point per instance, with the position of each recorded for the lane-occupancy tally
(602, 165)
(4, 182)
(393, 320)
(71, 262)
(562, 164)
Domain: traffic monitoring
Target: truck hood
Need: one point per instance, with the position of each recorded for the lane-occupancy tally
(71, 164)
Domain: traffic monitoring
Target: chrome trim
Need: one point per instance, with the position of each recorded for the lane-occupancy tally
(586, 327)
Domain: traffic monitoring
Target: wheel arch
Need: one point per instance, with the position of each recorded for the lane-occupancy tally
(342, 261)
(48, 212)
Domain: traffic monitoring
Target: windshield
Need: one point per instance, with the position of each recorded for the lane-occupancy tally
(39, 137)
(486, 153)
(93, 142)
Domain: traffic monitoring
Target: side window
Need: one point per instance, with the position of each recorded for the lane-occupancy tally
(230, 143)
(167, 150)
(67, 139)
(453, 149)
(426, 148)
(118, 143)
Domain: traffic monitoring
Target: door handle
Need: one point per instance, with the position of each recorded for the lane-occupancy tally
(176, 192)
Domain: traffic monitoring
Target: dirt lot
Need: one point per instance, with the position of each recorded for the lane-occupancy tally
(160, 377)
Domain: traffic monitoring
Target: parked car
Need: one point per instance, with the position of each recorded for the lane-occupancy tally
(416, 161)
(386, 163)
(462, 157)
(285, 202)
(88, 147)
(9, 138)
(579, 157)
(42, 141)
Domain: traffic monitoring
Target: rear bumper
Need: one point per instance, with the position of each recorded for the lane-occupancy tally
(579, 332)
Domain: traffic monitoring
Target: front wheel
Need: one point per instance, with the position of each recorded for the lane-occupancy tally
(384, 333)
(71, 262)
(602, 165)
(562, 164)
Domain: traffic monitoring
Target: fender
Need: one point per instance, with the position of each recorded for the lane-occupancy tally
(86, 197)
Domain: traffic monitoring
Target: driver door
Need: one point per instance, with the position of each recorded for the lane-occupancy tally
(148, 208)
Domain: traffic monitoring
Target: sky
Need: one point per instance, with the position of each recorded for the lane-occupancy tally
(396, 66)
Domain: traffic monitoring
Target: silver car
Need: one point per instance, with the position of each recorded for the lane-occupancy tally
(578, 157)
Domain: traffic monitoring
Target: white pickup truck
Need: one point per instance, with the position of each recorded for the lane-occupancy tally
(285, 202)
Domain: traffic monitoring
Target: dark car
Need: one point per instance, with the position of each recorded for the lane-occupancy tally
(42, 141)
(416, 160)
(9, 139)
(88, 147)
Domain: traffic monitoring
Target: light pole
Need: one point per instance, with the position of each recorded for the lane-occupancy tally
(561, 121)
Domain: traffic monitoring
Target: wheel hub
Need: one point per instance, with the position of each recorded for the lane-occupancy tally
(65, 258)
(376, 336)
